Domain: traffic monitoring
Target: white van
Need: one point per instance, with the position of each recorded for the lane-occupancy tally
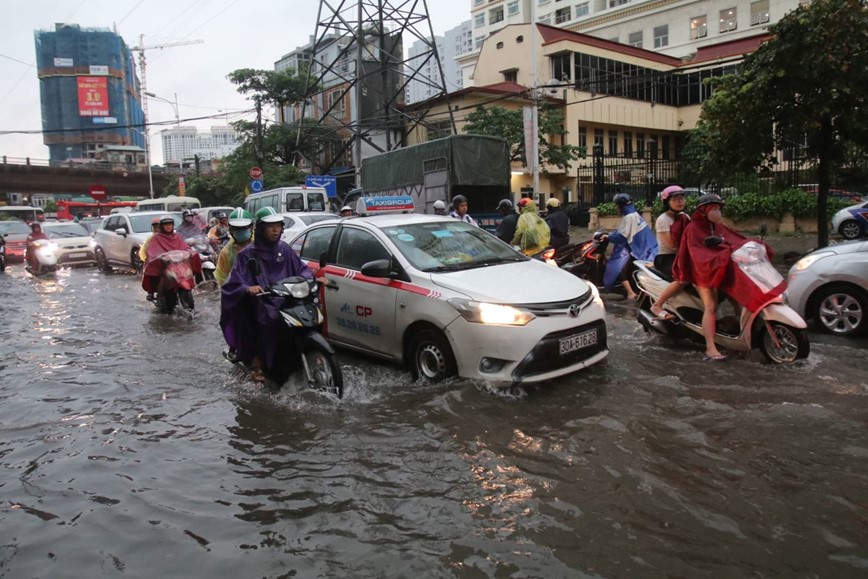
(289, 200)
(170, 203)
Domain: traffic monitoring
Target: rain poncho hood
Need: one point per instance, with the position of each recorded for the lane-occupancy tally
(161, 242)
(633, 238)
(716, 267)
(251, 325)
(532, 234)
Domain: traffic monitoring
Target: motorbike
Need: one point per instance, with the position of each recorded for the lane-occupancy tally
(207, 256)
(774, 328)
(46, 258)
(2, 254)
(171, 276)
(302, 313)
(587, 259)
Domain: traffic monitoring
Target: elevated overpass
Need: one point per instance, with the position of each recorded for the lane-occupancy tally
(25, 175)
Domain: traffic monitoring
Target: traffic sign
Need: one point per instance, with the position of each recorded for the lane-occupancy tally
(256, 185)
(97, 192)
(256, 173)
(327, 182)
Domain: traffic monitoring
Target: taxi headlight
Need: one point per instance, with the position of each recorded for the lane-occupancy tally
(298, 290)
(497, 314)
(596, 295)
(809, 260)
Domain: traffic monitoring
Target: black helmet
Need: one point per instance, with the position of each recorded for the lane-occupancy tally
(504, 204)
(621, 199)
(458, 200)
(187, 213)
(709, 199)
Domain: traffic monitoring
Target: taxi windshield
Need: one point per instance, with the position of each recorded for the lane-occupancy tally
(447, 245)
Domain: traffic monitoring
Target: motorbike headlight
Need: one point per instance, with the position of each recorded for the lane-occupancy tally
(809, 260)
(496, 314)
(298, 290)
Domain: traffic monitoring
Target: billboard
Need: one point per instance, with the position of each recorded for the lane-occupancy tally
(93, 96)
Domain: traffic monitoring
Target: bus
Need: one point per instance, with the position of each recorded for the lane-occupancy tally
(25, 213)
(68, 210)
(169, 203)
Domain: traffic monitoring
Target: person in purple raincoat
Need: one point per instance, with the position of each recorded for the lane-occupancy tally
(252, 326)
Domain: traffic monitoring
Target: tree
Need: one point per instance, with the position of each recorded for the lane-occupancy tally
(509, 125)
(807, 83)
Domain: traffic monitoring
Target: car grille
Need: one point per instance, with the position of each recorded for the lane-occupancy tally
(559, 308)
(546, 356)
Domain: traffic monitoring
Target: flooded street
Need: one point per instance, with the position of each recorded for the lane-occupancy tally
(129, 447)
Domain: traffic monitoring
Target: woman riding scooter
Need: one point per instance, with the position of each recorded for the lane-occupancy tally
(632, 240)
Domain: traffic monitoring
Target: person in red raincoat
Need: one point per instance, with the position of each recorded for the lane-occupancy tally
(709, 267)
(164, 240)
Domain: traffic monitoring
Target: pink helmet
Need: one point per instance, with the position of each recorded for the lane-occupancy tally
(670, 191)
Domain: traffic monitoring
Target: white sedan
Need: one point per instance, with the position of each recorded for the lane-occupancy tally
(295, 223)
(73, 242)
(444, 297)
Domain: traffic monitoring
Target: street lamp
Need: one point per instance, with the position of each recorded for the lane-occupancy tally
(147, 135)
(174, 105)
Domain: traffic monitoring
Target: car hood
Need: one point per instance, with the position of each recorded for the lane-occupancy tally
(72, 241)
(526, 282)
(844, 247)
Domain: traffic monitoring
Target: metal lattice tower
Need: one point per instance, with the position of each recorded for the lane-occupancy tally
(368, 36)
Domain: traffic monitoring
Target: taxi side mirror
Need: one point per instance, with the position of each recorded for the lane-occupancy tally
(378, 268)
(322, 259)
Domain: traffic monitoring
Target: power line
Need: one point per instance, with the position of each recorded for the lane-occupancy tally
(115, 127)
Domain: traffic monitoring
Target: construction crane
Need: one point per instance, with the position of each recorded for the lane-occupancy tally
(141, 48)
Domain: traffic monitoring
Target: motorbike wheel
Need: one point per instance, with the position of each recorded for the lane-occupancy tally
(102, 261)
(325, 372)
(136, 261)
(2, 264)
(185, 298)
(431, 357)
(793, 342)
(167, 303)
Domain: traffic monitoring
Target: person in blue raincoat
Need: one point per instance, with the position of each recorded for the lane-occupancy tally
(632, 240)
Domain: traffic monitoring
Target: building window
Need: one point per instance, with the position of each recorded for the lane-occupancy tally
(666, 146)
(479, 20)
(510, 75)
(562, 15)
(613, 143)
(561, 67)
(545, 18)
(583, 137)
(478, 2)
(336, 101)
(478, 43)
(635, 39)
(512, 8)
(616, 3)
(598, 137)
(661, 36)
(541, 2)
(698, 27)
(582, 10)
(495, 15)
(519, 39)
(728, 19)
(759, 12)
(628, 144)
(640, 145)
(499, 45)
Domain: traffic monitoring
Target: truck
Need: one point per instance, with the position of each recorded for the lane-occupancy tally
(475, 166)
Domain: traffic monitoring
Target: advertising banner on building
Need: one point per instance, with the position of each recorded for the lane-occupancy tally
(98, 69)
(531, 141)
(93, 96)
(63, 62)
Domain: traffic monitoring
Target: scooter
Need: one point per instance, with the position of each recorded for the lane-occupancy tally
(302, 313)
(586, 260)
(207, 256)
(46, 258)
(171, 276)
(775, 328)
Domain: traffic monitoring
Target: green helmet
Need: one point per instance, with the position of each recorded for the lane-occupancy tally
(240, 218)
(268, 215)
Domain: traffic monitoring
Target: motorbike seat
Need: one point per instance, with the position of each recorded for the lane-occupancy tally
(660, 274)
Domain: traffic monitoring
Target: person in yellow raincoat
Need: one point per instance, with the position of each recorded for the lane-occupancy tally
(532, 233)
(240, 235)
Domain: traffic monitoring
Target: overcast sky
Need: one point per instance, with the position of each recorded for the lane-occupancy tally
(236, 34)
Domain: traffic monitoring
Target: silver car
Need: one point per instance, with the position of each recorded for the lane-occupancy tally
(830, 286)
(74, 243)
(119, 238)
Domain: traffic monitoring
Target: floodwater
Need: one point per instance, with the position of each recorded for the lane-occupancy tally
(129, 447)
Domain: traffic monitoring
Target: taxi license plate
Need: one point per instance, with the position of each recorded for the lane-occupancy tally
(578, 341)
(77, 255)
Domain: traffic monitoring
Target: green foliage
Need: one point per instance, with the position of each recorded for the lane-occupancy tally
(607, 209)
(50, 206)
(509, 125)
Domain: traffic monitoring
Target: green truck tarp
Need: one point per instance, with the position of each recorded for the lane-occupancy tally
(473, 160)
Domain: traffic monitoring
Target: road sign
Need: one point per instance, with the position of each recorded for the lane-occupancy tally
(97, 192)
(256, 185)
(182, 186)
(256, 173)
(327, 182)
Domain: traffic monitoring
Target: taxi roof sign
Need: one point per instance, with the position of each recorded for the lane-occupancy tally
(385, 205)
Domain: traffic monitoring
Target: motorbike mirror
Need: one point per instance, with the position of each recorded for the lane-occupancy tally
(764, 230)
(253, 266)
(322, 259)
(712, 241)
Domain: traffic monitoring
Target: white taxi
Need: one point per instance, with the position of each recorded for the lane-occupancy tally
(445, 297)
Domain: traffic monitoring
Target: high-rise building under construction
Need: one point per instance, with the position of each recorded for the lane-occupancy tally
(89, 91)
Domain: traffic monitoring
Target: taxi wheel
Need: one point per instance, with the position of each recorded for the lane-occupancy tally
(850, 229)
(431, 356)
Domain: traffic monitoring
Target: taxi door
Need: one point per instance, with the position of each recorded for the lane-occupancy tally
(360, 310)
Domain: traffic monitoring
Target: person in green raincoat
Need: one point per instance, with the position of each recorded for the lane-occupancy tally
(532, 233)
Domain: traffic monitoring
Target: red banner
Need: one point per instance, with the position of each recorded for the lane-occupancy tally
(93, 96)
